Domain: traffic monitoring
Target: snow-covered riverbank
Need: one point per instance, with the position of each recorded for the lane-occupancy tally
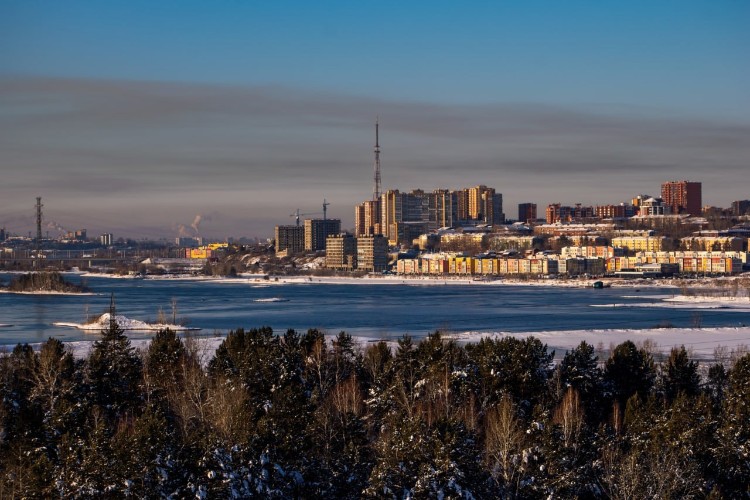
(420, 280)
(701, 342)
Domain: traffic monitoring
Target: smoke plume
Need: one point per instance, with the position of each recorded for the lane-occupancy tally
(196, 223)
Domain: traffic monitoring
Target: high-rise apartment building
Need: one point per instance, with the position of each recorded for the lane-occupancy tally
(485, 205)
(478, 201)
(289, 239)
(462, 205)
(682, 197)
(497, 215)
(526, 212)
(443, 206)
(372, 253)
(360, 228)
(741, 207)
(367, 218)
(316, 232)
(398, 208)
(401, 213)
(341, 252)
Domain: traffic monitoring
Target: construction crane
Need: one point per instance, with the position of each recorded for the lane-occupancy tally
(297, 213)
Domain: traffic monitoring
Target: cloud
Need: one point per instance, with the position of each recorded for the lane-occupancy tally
(255, 154)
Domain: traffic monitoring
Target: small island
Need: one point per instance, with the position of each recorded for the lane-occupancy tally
(44, 282)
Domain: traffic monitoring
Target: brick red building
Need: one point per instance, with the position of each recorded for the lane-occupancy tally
(683, 197)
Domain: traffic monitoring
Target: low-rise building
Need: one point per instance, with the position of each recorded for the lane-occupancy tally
(712, 243)
(601, 252)
(578, 265)
(642, 243)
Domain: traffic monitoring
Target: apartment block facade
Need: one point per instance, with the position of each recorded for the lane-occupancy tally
(289, 239)
(526, 212)
(316, 232)
(683, 197)
(341, 252)
(372, 253)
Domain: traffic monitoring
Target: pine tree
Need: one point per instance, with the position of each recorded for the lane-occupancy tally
(147, 449)
(520, 367)
(733, 453)
(114, 372)
(680, 375)
(629, 371)
(579, 370)
(164, 355)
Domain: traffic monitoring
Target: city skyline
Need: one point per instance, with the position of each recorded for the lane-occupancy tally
(135, 121)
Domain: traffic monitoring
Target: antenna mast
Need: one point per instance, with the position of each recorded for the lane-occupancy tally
(376, 191)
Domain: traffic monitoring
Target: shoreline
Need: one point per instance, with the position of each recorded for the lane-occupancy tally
(48, 292)
(422, 280)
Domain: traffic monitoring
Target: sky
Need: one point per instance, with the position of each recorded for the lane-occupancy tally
(139, 118)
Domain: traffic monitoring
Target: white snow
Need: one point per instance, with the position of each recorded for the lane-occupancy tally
(123, 322)
(702, 341)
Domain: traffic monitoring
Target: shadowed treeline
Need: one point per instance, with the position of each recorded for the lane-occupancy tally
(292, 415)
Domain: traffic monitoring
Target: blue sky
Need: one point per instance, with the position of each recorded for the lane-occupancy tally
(279, 97)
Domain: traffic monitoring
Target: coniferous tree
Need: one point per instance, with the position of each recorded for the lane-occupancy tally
(163, 362)
(579, 369)
(147, 450)
(733, 453)
(629, 371)
(716, 383)
(114, 372)
(519, 367)
(23, 455)
(680, 374)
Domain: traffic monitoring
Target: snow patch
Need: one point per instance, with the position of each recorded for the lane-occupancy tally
(123, 322)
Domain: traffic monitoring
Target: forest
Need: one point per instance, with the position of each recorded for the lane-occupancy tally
(294, 415)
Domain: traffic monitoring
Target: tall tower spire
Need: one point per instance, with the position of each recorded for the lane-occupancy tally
(38, 229)
(376, 189)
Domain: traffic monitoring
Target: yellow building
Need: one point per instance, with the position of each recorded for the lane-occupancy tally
(712, 243)
(642, 243)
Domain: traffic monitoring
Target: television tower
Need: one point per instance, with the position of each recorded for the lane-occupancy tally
(39, 219)
(376, 190)
(38, 230)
